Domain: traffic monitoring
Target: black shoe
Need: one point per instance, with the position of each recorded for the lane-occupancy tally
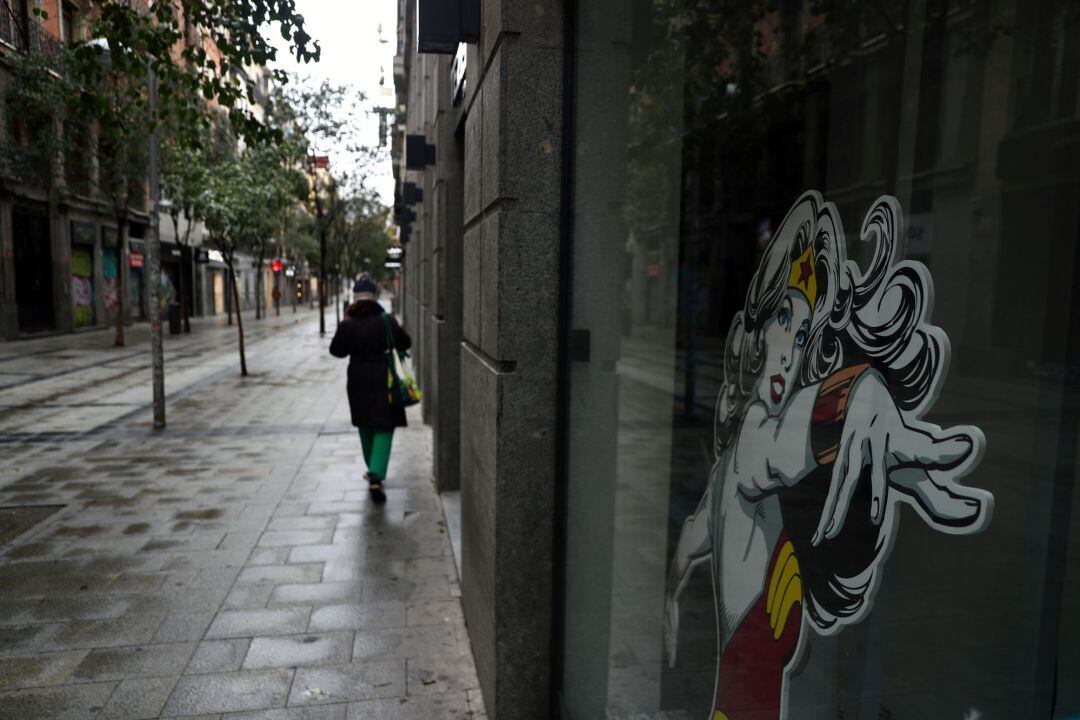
(375, 488)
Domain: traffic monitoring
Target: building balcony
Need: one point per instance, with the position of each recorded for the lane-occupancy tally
(26, 35)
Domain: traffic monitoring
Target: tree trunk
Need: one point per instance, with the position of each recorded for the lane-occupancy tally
(183, 274)
(230, 306)
(120, 291)
(322, 278)
(260, 286)
(239, 319)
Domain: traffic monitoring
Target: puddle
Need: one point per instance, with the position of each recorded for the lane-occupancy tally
(84, 531)
(209, 514)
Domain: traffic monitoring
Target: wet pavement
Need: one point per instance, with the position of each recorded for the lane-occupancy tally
(231, 566)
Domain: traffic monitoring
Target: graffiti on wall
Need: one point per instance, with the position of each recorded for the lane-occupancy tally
(82, 284)
(109, 293)
(828, 370)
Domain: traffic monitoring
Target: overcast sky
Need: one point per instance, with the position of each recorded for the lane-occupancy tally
(348, 32)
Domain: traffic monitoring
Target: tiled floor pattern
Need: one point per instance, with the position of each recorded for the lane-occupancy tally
(230, 567)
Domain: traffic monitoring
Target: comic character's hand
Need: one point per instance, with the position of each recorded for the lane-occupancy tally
(899, 456)
(671, 628)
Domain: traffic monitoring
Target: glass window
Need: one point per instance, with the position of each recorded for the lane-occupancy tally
(823, 450)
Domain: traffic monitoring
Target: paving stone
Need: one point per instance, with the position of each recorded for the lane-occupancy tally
(440, 706)
(249, 623)
(428, 566)
(407, 642)
(363, 568)
(436, 612)
(353, 616)
(138, 699)
(133, 662)
(229, 692)
(344, 683)
(291, 509)
(248, 596)
(305, 573)
(130, 629)
(314, 593)
(324, 553)
(68, 702)
(280, 538)
(297, 650)
(182, 627)
(337, 711)
(304, 522)
(205, 599)
(39, 670)
(269, 556)
(136, 583)
(422, 588)
(22, 640)
(212, 656)
(429, 675)
(333, 508)
(95, 607)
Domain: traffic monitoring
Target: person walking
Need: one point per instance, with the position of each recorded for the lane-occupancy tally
(362, 337)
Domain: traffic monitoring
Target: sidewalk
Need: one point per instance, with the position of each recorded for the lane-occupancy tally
(231, 566)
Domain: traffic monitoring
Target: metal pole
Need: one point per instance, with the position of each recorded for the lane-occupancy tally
(153, 244)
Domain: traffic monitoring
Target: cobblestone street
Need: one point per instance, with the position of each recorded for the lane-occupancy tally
(231, 566)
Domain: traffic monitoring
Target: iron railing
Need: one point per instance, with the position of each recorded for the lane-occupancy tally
(24, 34)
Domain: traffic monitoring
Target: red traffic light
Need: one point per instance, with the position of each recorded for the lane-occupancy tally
(276, 266)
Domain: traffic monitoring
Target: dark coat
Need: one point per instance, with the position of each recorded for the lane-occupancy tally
(361, 337)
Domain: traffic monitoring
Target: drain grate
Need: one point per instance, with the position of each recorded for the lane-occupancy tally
(14, 521)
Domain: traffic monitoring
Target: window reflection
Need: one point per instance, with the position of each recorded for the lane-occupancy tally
(699, 124)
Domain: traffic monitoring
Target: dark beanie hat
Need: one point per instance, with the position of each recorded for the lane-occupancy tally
(364, 289)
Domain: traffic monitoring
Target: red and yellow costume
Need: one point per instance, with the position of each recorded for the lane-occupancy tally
(752, 665)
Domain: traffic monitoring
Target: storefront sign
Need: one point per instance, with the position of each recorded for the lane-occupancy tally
(457, 74)
(831, 443)
(216, 256)
(136, 259)
(202, 257)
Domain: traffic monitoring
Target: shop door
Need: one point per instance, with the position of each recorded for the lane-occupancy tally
(219, 291)
(33, 269)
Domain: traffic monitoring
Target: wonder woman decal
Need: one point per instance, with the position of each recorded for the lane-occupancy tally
(827, 372)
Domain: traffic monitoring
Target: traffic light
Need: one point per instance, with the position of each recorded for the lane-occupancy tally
(299, 290)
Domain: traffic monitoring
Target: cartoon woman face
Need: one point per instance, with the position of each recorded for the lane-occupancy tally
(785, 335)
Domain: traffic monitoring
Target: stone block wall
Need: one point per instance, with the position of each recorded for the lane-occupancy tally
(512, 179)
(482, 280)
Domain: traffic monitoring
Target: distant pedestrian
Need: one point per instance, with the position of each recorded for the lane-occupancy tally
(361, 337)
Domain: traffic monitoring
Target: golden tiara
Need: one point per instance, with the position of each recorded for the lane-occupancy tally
(803, 277)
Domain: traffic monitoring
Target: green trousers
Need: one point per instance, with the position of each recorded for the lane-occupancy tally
(376, 443)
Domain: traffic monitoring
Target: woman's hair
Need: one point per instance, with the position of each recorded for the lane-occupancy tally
(363, 308)
(879, 317)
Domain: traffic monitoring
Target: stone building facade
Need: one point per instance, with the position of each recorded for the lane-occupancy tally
(481, 299)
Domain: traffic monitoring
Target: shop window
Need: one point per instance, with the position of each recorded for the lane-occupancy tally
(806, 237)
